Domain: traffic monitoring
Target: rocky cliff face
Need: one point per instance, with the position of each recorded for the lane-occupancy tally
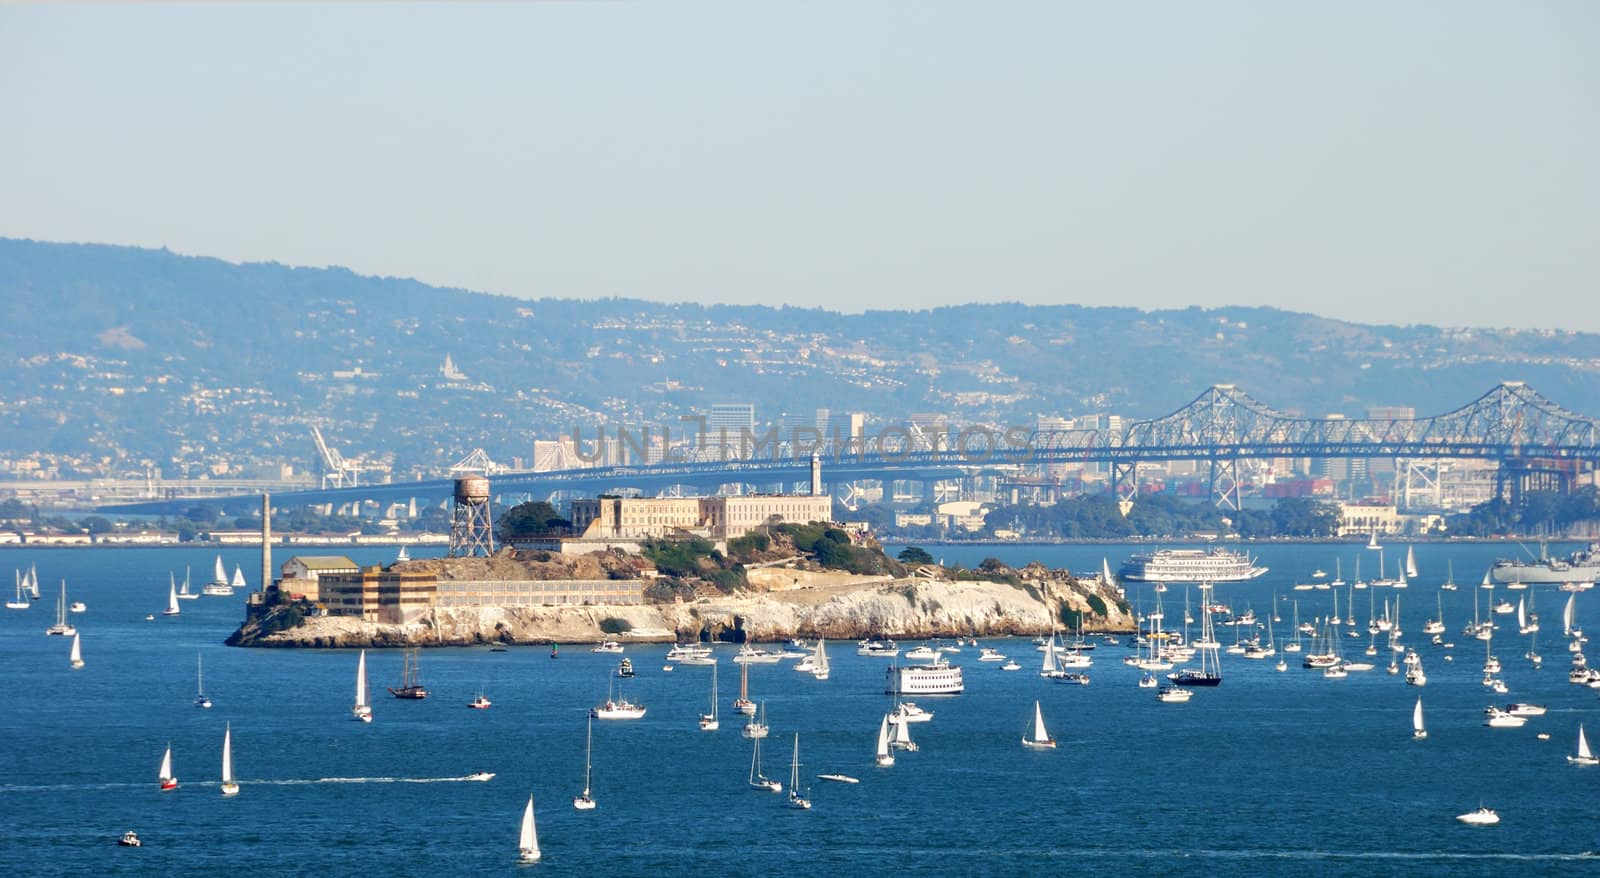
(905, 609)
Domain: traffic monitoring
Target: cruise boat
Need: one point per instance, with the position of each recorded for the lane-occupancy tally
(938, 678)
(1580, 566)
(1191, 565)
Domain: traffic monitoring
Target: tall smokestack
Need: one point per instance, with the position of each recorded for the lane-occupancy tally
(816, 474)
(266, 541)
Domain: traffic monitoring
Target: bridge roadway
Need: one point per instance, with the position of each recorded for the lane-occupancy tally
(1510, 423)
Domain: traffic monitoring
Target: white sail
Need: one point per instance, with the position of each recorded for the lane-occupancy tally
(1049, 666)
(238, 577)
(1105, 571)
(76, 659)
(362, 709)
(1522, 615)
(1583, 745)
(820, 660)
(902, 735)
(1416, 719)
(1039, 733)
(172, 601)
(166, 766)
(220, 576)
(1567, 616)
(884, 756)
(230, 787)
(528, 841)
(1411, 563)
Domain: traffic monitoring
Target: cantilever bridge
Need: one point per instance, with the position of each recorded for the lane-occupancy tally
(1512, 424)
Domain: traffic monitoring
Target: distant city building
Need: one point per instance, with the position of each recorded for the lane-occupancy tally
(728, 430)
(718, 518)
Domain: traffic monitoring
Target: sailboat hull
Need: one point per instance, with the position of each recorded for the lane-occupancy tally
(1042, 745)
(230, 789)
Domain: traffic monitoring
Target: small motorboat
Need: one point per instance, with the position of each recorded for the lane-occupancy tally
(130, 839)
(1174, 694)
(78, 607)
(481, 776)
(482, 702)
(839, 778)
(1520, 709)
(1011, 666)
(625, 668)
(1481, 817)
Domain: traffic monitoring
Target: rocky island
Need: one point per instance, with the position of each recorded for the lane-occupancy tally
(795, 581)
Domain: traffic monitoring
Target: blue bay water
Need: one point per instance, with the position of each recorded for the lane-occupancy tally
(1271, 773)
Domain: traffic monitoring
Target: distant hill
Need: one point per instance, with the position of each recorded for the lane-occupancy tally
(132, 354)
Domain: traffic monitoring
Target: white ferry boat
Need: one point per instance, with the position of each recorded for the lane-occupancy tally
(1191, 565)
(939, 678)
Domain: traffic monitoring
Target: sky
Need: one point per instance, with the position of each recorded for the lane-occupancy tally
(1422, 162)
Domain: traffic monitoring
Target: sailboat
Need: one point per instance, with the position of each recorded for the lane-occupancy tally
(1584, 755)
(1338, 574)
(759, 780)
(1569, 617)
(184, 594)
(1372, 542)
(1449, 583)
(218, 586)
(1418, 732)
(820, 661)
(76, 658)
(583, 801)
(901, 738)
(1039, 737)
(168, 781)
(33, 581)
(743, 704)
(230, 787)
(62, 627)
(200, 697)
(1105, 572)
(238, 579)
(1411, 563)
(795, 799)
(708, 721)
(1527, 622)
(172, 601)
(757, 726)
(362, 709)
(411, 678)
(21, 602)
(528, 841)
(884, 754)
(1210, 671)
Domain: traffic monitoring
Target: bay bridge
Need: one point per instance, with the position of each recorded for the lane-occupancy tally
(1538, 445)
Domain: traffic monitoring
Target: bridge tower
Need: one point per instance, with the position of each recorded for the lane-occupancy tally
(1225, 483)
(471, 532)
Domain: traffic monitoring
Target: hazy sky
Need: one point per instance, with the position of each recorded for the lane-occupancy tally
(1386, 162)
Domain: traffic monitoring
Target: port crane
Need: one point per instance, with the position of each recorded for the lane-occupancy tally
(336, 471)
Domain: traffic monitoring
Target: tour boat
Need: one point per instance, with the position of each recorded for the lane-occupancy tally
(168, 781)
(62, 627)
(230, 787)
(200, 698)
(219, 585)
(528, 841)
(939, 678)
(75, 659)
(796, 800)
(172, 602)
(1418, 731)
(362, 709)
(1481, 817)
(410, 678)
(1584, 756)
(1038, 737)
(885, 756)
(584, 801)
(129, 839)
(758, 780)
(757, 726)
(708, 721)
(1191, 565)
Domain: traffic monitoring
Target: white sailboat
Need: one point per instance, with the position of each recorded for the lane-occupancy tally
(584, 801)
(218, 586)
(76, 658)
(200, 697)
(758, 779)
(1411, 563)
(1584, 755)
(33, 581)
(528, 840)
(901, 738)
(1569, 617)
(238, 579)
(1418, 731)
(1105, 572)
(1449, 583)
(230, 787)
(165, 776)
(1038, 737)
(819, 660)
(885, 755)
(757, 726)
(796, 800)
(743, 704)
(362, 709)
(184, 594)
(172, 601)
(62, 627)
(21, 602)
(1372, 541)
(708, 721)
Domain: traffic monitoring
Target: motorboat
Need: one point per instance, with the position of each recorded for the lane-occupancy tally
(130, 839)
(482, 702)
(922, 653)
(1481, 817)
(839, 778)
(608, 646)
(1174, 694)
(625, 668)
(990, 654)
(481, 776)
(1520, 709)
(909, 712)
(1496, 718)
(1011, 666)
